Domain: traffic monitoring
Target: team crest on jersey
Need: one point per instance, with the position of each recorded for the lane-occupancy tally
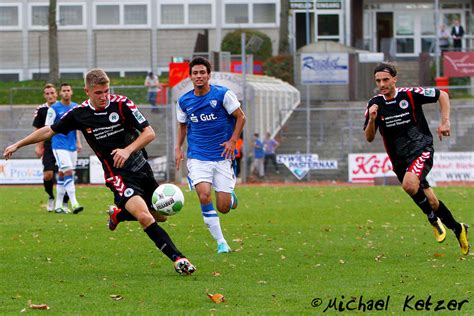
(113, 117)
(404, 104)
(213, 103)
(140, 118)
(128, 192)
(430, 92)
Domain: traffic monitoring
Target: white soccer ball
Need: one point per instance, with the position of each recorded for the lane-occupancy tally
(168, 199)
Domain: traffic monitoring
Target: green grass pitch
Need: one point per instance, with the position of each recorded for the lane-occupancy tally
(294, 246)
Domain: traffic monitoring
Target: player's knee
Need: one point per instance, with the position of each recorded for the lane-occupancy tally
(204, 198)
(410, 188)
(48, 175)
(144, 218)
(223, 207)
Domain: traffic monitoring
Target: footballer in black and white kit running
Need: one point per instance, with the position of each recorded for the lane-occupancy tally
(118, 133)
(398, 114)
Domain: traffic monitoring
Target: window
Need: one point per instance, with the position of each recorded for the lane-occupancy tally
(39, 15)
(121, 15)
(135, 14)
(200, 14)
(236, 13)
(264, 13)
(70, 15)
(9, 16)
(328, 25)
(172, 14)
(107, 15)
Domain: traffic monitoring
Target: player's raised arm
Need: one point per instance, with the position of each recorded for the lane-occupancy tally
(444, 128)
(37, 136)
(122, 154)
(370, 129)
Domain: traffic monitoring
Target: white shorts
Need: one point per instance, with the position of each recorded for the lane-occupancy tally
(65, 159)
(219, 173)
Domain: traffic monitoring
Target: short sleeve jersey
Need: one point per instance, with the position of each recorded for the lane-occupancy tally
(40, 119)
(60, 141)
(209, 121)
(116, 126)
(402, 123)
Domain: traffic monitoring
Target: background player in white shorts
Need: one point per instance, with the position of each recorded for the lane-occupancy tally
(212, 119)
(65, 148)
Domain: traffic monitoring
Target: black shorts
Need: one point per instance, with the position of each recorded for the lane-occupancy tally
(49, 162)
(420, 166)
(126, 184)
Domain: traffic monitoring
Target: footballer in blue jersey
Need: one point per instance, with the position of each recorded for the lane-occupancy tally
(65, 148)
(211, 120)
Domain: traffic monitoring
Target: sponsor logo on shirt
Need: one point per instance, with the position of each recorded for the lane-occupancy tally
(113, 117)
(403, 104)
(430, 92)
(203, 117)
(139, 116)
(128, 192)
(89, 130)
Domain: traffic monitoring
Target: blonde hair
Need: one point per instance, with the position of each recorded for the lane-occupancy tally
(95, 77)
(48, 86)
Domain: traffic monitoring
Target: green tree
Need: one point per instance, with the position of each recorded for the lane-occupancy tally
(257, 43)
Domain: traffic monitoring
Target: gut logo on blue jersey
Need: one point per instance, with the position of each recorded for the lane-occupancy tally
(203, 117)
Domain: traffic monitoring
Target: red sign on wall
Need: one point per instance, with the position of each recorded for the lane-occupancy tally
(177, 73)
(458, 64)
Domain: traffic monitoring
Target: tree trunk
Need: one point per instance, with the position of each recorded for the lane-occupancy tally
(53, 43)
(283, 44)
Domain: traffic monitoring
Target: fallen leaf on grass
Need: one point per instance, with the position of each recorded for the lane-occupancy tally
(436, 254)
(216, 298)
(216, 274)
(37, 306)
(116, 297)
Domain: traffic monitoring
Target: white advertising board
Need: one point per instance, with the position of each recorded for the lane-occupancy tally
(325, 68)
(21, 171)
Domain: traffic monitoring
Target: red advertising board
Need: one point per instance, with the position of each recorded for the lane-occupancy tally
(458, 64)
(236, 67)
(177, 73)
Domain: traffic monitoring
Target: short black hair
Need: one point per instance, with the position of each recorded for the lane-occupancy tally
(64, 84)
(200, 61)
(386, 67)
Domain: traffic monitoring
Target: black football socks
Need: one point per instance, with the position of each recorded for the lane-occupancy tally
(447, 218)
(48, 187)
(422, 201)
(163, 241)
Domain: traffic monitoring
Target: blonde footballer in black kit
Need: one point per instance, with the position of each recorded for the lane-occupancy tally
(398, 114)
(118, 133)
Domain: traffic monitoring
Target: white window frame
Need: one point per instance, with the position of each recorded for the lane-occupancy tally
(186, 24)
(251, 23)
(72, 27)
(60, 27)
(13, 71)
(121, 24)
(20, 17)
(340, 37)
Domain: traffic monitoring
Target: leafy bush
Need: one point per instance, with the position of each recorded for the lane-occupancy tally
(232, 43)
(280, 66)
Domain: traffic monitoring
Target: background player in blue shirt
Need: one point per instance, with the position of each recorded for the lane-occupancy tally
(211, 119)
(65, 148)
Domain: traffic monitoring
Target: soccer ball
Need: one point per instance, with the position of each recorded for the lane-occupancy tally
(168, 199)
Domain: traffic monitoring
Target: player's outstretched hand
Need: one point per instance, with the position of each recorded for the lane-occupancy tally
(9, 151)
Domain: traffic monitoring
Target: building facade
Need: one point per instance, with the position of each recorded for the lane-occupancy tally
(128, 37)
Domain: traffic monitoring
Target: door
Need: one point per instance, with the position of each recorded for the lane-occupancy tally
(384, 27)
